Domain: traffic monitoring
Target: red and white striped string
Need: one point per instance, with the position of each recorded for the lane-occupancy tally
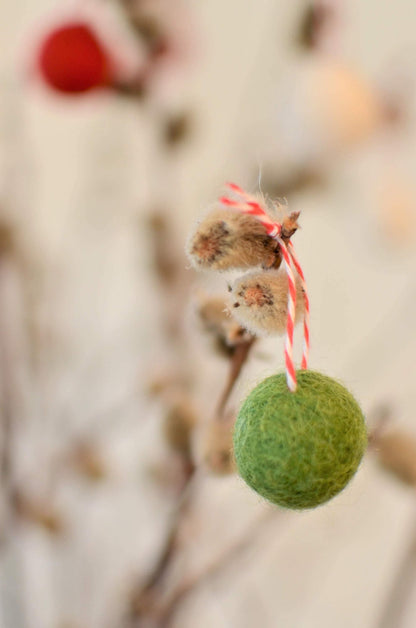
(250, 205)
(306, 315)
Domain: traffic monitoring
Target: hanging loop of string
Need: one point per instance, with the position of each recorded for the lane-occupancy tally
(249, 205)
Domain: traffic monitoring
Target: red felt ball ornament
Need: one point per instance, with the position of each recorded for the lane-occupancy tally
(72, 60)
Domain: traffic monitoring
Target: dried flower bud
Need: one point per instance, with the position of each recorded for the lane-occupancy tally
(314, 21)
(162, 383)
(218, 446)
(260, 301)
(87, 460)
(38, 512)
(178, 425)
(397, 454)
(218, 320)
(165, 262)
(8, 244)
(290, 225)
(148, 28)
(227, 239)
(177, 128)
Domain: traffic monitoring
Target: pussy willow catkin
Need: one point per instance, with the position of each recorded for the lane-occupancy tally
(260, 300)
(226, 239)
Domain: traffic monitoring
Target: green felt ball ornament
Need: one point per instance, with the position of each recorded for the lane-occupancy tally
(299, 449)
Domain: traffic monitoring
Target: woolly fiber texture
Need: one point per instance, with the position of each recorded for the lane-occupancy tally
(261, 301)
(216, 319)
(298, 450)
(226, 240)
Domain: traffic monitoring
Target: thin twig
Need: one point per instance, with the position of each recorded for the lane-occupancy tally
(238, 359)
(145, 599)
(210, 570)
(10, 293)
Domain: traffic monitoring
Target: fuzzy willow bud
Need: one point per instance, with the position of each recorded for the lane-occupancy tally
(178, 425)
(218, 321)
(259, 301)
(227, 239)
(397, 454)
(218, 447)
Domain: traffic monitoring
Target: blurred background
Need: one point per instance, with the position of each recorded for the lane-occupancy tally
(120, 122)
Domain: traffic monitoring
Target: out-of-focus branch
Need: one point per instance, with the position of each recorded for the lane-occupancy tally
(401, 589)
(165, 612)
(144, 600)
(396, 454)
(8, 353)
(237, 361)
(295, 182)
(169, 268)
(147, 602)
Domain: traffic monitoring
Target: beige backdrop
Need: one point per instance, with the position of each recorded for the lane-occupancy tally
(75, 177)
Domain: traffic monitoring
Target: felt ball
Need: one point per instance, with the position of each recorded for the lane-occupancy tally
(299, 449)
(72, 60)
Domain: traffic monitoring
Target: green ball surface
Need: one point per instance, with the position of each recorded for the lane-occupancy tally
(298, 450)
